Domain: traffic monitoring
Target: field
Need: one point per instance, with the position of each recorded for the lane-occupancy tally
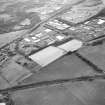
(17, 17)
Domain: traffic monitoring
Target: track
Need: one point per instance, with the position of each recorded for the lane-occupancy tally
(52, 83)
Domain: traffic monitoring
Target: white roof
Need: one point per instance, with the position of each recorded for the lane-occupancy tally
(47, 55)
(2, 103)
